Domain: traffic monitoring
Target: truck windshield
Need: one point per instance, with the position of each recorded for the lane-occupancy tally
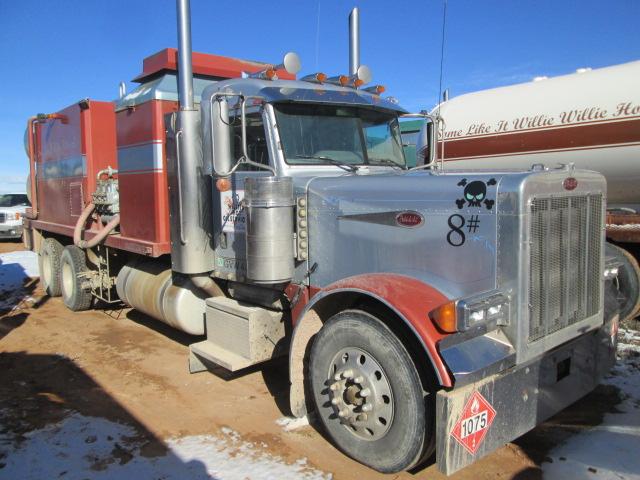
(336, 134)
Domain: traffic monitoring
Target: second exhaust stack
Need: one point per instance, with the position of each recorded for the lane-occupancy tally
(354, 41)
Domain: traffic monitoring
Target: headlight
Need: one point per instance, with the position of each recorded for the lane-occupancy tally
(464, 314)
(611, 272)
(18, 215)
(483, 310)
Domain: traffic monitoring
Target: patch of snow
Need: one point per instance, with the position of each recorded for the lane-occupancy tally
(27, 259)
(82, 447)
(15, 269)
(610, 450)
(292, 423)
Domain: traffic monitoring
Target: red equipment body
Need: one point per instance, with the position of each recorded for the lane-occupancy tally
(70, 147)
(66, 157)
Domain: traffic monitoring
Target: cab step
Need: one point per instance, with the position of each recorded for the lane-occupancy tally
(238, 335)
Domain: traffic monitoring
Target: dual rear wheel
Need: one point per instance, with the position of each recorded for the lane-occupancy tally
(63, 272)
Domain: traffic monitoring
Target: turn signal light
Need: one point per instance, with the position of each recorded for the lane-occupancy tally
(223, 184)
(445, 317)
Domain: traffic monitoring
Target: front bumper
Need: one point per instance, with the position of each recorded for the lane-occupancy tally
(510, 403)
(10, 231)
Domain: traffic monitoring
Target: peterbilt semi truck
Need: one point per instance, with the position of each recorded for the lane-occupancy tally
(589, 118)
(422, 311)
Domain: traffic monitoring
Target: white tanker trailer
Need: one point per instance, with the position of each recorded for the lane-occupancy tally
(590, 118)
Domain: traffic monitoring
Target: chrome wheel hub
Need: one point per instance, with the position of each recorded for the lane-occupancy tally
(360, 393)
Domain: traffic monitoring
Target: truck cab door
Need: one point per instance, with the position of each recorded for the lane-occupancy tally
(230, 219)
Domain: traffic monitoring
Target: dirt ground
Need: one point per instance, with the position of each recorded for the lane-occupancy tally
(124, 366)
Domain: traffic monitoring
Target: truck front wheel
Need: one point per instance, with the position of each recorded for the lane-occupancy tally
(73, 279)
(368, 393)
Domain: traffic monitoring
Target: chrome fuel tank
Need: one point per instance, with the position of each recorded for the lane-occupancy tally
(148, 287)
(269, 238)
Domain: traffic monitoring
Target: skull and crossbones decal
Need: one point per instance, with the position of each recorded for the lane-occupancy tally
(475, 193)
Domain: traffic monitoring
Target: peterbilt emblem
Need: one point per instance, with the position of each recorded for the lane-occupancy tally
(570, 183)
(409, 219)
(402, 218)
(475, 193)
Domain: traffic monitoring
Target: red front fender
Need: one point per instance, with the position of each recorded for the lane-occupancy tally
(409, 298)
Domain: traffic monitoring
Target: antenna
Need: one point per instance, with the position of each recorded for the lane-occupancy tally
(444, 22)
(318, 35)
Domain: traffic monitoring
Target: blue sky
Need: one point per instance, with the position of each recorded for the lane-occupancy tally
(54, 53)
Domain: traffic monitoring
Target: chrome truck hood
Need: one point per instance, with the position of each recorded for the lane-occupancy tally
(356, 227)
(469, 232)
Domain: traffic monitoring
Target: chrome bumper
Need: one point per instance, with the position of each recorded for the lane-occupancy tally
(10, 231)
(521, 398)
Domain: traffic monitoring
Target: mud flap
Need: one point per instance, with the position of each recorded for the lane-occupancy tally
(476, 419)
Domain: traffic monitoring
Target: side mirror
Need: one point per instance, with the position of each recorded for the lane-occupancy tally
(426, 144)
(221, 136)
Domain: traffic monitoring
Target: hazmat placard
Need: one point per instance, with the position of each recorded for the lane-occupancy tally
(477, 416)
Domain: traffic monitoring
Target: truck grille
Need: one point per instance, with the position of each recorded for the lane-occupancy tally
(564, 276)
(3, 217)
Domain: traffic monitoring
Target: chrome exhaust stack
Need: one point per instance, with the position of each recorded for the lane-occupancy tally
(185, 69)
(354, 41)
(189, 185)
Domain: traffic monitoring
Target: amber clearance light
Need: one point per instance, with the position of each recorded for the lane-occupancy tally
(376, 89)
(445, 317)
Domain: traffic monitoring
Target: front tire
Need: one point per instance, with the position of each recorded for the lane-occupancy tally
(76, 292)
(368, 393)
(49, 266)
(628, 283)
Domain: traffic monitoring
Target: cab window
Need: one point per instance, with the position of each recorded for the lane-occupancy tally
(257, 149)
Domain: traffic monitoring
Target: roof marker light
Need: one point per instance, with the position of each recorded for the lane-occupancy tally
(362, 76)
(318, 77)
(341, 80)
(376, 89)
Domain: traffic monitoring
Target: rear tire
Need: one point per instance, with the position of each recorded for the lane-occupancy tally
(368, 393)
(49, 266)
(74, 283)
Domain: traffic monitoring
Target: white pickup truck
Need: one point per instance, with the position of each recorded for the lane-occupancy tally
(12, 209)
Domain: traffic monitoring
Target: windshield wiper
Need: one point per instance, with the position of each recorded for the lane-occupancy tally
(385, 161)
(345, 166)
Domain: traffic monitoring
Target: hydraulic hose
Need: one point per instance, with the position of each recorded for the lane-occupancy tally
(100, 236)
